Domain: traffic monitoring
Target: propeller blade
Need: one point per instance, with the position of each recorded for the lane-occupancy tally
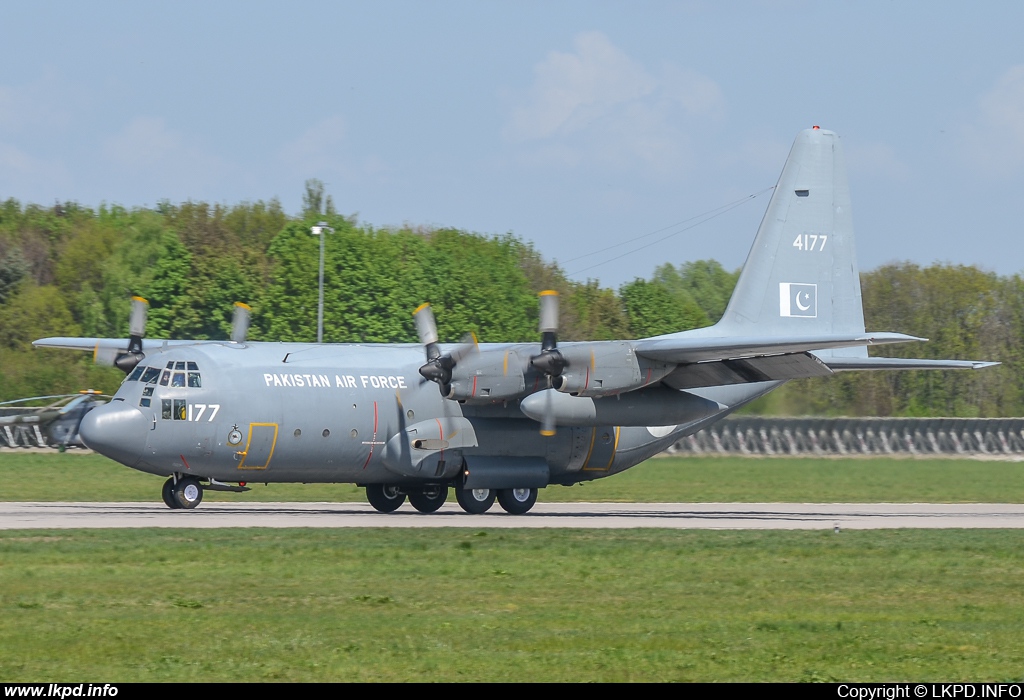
(127, 361)
(549, 311)
(547, 426)
(240, 322)
(467, 347)
(137, 324)
(426, 329)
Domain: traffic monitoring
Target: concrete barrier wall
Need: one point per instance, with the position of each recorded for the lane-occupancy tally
(858, 436)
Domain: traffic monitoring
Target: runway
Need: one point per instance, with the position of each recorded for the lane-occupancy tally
(701, 516)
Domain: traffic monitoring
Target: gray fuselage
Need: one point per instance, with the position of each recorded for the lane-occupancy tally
(289, 412)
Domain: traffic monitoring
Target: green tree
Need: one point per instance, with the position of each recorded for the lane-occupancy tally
(654, 309)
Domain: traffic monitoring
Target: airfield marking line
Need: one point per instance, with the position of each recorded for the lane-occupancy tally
(713, 516)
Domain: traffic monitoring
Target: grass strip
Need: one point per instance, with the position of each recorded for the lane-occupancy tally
(555, 605)
(81, 477)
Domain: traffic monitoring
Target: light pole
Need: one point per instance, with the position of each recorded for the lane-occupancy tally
(321, 230)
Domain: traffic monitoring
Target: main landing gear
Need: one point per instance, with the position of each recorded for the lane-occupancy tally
(386, 498)
(186, 493)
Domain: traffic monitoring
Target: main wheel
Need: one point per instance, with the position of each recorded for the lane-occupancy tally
(475, 501)
(517, 501)
(385, 498)
(188, 492)
(429, 498)
(168, 494)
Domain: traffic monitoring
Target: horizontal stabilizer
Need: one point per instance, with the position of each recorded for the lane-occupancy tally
(683, 349)
(850, 364)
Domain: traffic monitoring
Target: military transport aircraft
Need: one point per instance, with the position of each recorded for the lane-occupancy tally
(496, 421)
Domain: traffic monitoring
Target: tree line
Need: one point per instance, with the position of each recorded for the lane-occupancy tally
(70, 270)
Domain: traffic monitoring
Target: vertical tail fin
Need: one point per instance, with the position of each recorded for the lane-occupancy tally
(801, 274)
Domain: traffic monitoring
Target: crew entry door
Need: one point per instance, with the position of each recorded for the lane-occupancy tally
(260, 446)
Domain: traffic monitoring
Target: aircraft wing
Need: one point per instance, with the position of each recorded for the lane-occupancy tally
(98, 344)
(684, 349)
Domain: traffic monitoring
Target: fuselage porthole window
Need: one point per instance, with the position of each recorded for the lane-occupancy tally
(166, 377)
(194, 380)
(179, 379)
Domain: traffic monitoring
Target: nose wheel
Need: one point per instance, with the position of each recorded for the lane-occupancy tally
(168, 494)
(187, 493)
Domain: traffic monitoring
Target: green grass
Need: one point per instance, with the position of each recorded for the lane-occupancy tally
(544, 605)
(83, 477)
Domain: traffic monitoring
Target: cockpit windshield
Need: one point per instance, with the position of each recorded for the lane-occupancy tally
(174, 375)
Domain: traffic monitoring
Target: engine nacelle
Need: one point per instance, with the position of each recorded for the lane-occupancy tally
(600, 369)
(488, 376)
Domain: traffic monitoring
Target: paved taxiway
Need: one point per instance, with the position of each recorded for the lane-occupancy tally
(711, 516)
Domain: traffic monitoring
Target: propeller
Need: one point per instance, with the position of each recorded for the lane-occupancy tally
(127, 361)
(550, 361)
(240, 322)
(438, 368)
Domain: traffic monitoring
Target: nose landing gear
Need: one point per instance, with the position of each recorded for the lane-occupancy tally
(186, 493)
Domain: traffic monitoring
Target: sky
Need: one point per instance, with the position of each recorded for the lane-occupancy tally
(613, 136)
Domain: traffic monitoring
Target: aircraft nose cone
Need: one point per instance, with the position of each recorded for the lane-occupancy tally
(116, 430)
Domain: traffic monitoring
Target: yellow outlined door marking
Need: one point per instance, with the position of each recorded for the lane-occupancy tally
(260, 446)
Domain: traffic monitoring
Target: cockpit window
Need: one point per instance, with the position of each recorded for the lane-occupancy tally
(165, 409)
(170, 365)
(179, 365)
(136, 373)
(150, 375)
(193, 366)
(178, 379)
(165, 378)
(194, 380)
